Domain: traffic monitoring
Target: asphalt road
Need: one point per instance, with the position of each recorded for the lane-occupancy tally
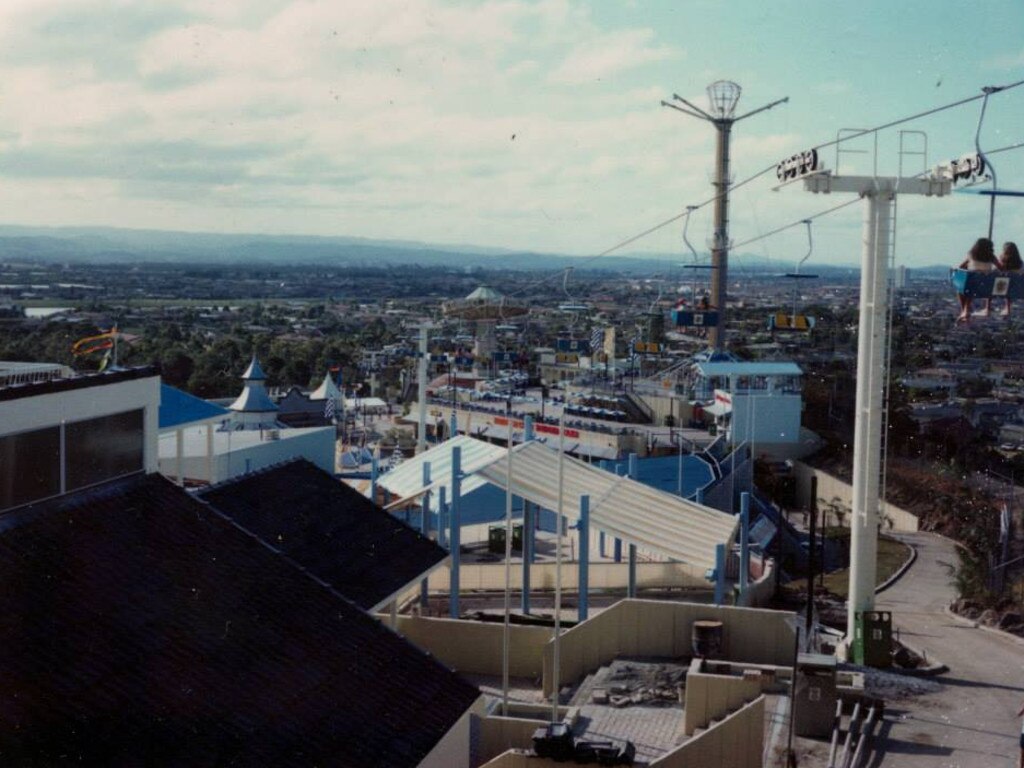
(971, 722)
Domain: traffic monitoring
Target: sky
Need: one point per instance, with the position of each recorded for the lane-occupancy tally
(507, 123)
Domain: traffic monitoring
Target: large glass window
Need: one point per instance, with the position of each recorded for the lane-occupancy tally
(104, 448)
(29, 466)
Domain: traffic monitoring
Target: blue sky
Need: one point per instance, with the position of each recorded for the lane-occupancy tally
(507, 124)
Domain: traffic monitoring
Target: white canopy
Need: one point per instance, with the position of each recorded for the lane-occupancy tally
(636, 513)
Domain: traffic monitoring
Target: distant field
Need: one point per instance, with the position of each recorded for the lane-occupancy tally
(171, 302)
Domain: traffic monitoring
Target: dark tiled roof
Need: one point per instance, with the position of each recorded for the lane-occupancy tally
(329, 528)
(140, 627)
(16, 391)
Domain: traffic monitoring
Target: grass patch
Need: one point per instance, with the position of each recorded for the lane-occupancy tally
(891, 555)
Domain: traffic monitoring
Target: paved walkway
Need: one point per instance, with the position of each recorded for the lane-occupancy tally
(971, 722)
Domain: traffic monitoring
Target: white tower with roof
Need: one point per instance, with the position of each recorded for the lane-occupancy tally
(253, 408)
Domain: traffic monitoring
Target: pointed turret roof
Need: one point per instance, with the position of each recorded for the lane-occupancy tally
(484, 293)
(328, 390)
(254, 398)
(255, 371)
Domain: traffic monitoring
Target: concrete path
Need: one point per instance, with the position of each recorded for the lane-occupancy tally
(971, 722)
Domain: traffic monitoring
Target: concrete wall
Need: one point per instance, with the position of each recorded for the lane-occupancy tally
(759, 593)
(735, 742)
(830, 487)
(710, 697)
(658, 628)
(491, 576)
(455, 748)
(499, 734)
(475, 646)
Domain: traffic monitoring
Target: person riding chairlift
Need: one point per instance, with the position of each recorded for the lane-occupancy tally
(981, 258)
(1010, 261)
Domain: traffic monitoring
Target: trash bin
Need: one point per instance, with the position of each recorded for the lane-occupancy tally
(496, 538)
(814, 695)
(872, 639)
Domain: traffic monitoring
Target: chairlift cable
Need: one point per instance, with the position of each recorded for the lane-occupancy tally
(661, 225)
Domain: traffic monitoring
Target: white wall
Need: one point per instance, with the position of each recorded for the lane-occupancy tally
(764, 418)
(29, 413)
(314, 444)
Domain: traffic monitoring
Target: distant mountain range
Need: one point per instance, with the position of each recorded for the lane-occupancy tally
(113, 245)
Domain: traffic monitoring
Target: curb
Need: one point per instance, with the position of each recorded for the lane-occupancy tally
(901, 570)
(991, 630)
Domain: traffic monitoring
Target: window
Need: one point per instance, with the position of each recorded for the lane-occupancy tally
(104, 448)
(29, 466)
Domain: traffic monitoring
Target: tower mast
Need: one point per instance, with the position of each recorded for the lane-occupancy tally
(723, 95)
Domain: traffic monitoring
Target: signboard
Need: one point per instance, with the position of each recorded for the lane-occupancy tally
(647, 346)
(548, 429)
(567, 358)
(800, 164)
(505, 357)
(463, 360)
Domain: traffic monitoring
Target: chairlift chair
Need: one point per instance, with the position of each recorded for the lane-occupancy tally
(796, 322)
(697, 316)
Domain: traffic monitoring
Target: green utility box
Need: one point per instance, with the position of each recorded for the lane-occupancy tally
(496, 538)
(872, 639)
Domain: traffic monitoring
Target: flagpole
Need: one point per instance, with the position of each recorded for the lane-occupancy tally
(556, 665)
(508, 564)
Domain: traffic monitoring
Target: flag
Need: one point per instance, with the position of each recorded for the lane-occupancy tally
(329, 408)
(596, 337)
(92, 344)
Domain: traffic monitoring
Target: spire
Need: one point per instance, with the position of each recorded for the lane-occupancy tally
(254, 372)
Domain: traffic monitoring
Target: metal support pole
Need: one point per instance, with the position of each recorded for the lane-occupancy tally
(442, 516)
(425, 530)
(583, 528)
(679, 480)
(524, 605)
(744, 541)
(634, 471)
(871, 341)
(810, 556)
(455, 531)
(453, 429)
(374, 471)
(421, 437)
(606, 466)
(528, 429)
(719, 573)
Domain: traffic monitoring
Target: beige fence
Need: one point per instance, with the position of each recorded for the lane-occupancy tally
(735, 742)
(658, 628)
(491, 576)
(831, 487)
(474, 647)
